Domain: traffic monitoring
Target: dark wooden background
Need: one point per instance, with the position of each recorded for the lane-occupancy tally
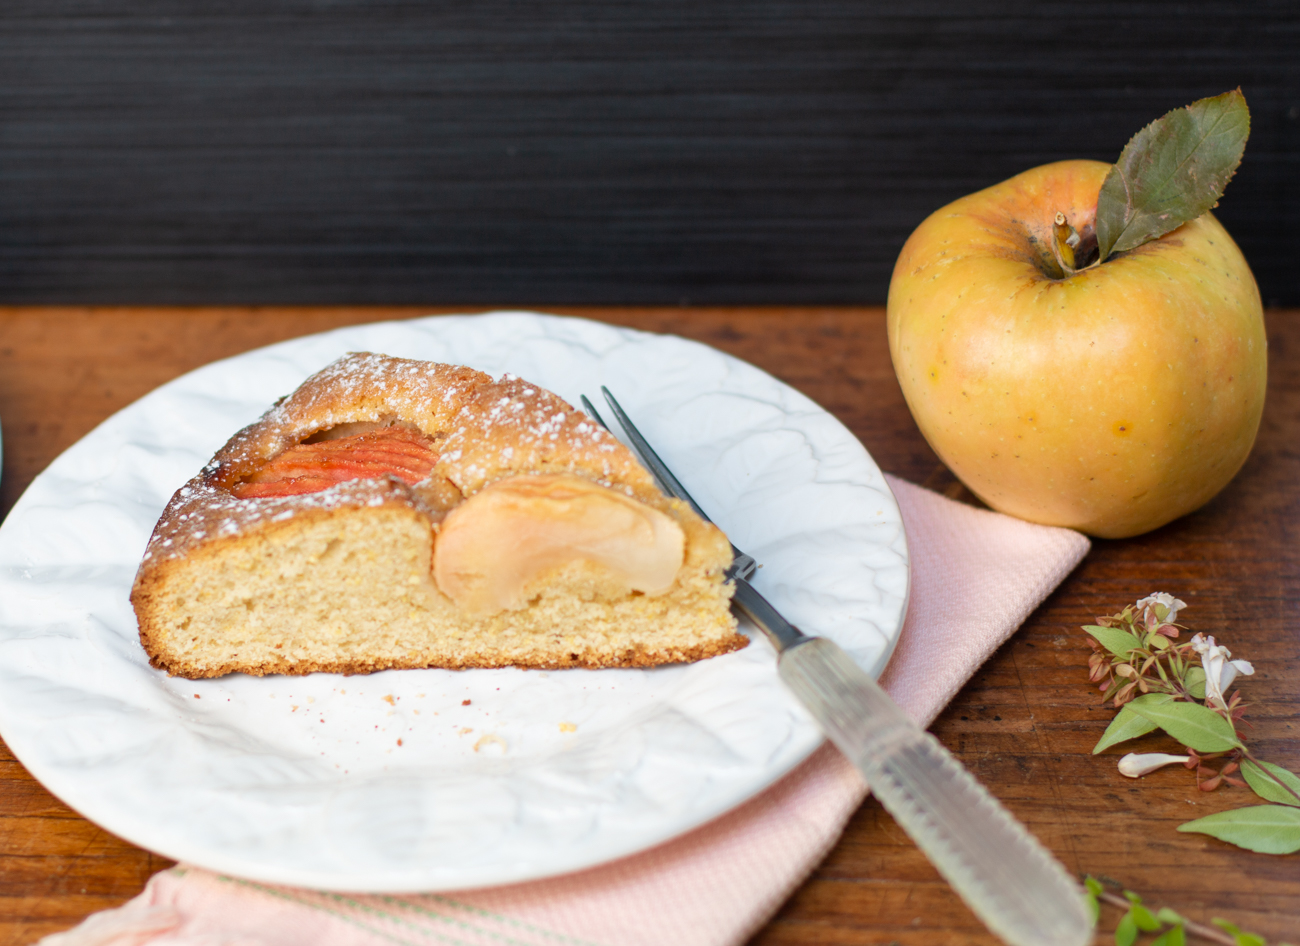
(611, 151)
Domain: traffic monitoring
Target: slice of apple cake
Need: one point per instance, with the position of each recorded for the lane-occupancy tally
(394, 513)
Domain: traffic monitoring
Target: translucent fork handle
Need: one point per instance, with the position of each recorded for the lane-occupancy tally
(1005, 876)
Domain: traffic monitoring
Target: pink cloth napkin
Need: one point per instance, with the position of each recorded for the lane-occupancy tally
(976, 576)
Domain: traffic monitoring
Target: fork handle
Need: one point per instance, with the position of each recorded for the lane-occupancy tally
(1005, 876)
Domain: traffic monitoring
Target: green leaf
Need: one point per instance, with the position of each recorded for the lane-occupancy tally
(1192, 724)
(1268, 829)
(1092, 890)
(1172, 171)
(1114, 640)
(1265, 787)
(1094, 908)
(1239, 937)
(1194, 680)
(1167, 915)
(1156, 641)
(1173, 937)
(1126, 931)
(1128, 724)
(1144, 919)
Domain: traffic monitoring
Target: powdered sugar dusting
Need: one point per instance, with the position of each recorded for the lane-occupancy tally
(201, 512)
(485, 430)
(360, 387)
(514, 427)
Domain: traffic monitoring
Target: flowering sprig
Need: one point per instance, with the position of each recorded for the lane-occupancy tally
(1183, 688)
(1128, 647)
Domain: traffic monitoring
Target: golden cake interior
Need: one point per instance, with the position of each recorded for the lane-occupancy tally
(347, 532)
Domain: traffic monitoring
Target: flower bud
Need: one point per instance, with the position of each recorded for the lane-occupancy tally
(1136, 764)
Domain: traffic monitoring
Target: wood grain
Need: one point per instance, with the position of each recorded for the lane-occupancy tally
(1025, 724)
(738, 151)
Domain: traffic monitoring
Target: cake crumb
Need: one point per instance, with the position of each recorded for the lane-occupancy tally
(568, 727)
(489, 740)
(464, 702)
(389, 700)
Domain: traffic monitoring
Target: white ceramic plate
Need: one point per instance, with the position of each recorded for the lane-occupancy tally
(430, 779)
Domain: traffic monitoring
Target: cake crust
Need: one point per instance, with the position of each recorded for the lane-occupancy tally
(340, 580)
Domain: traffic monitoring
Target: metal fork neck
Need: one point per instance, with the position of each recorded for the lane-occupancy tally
(742, 565)
(754, 606)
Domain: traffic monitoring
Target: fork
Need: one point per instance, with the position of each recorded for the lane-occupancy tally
(1007, 878)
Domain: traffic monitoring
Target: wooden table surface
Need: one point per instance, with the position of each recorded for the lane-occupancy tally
(1025, 724)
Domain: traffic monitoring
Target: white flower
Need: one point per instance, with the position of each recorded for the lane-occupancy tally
(1219, 670)
(1147, 607)
(1137, 764)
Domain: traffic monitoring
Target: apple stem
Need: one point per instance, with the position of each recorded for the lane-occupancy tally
(1066, 238)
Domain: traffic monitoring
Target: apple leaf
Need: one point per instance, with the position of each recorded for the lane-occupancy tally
(1172, 171)
(1267, 789)
(1268, 829)
(1192, 724)
(1128, 724)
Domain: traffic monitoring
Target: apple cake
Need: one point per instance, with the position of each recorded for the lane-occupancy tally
(393, 513)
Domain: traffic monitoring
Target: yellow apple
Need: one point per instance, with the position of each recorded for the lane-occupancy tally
(1111, 400)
